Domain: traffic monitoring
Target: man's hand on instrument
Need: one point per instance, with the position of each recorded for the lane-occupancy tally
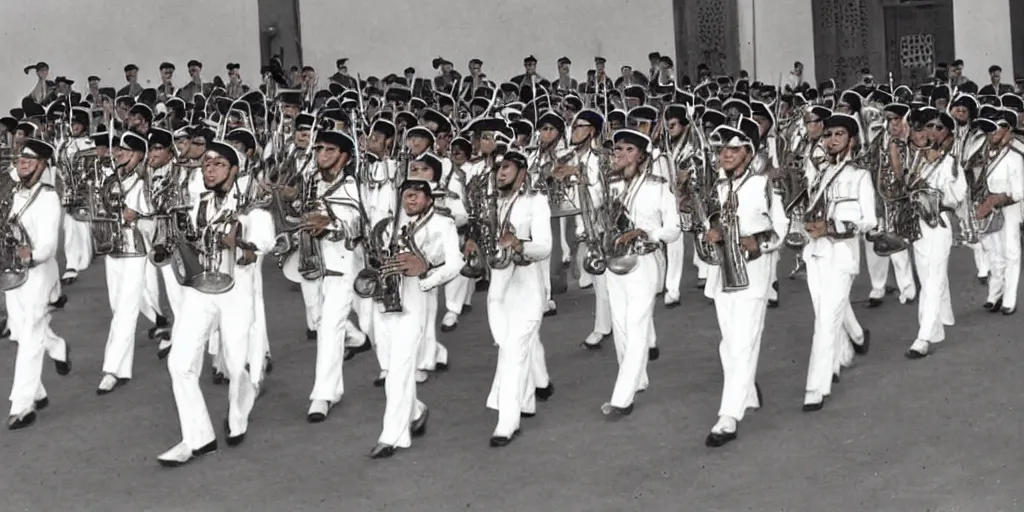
(248, 257)
(815, 229)
(509, 241)
(562, 172)
(318, 223)
(713, 236)
(130, 215)
(629, 236)
(288, 193)
(750, 244)
(411, 265)
(25, 254)
(470, 248)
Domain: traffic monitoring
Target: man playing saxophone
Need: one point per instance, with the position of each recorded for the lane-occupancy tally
(968, 153)
(841, 206)
(127, 280)
(587, 128)
(681, 149)
(936, 189)
(520, 240)
(751, 214)
(332, 225)
(428, 256)
(77, 233)
(228, 242)
(551, 144)
(645, 215)
(1003, 180)
(31, 224)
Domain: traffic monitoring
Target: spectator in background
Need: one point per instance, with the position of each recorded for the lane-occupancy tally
(995, 86)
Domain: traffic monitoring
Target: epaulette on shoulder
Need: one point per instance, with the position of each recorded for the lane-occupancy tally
(654, 178)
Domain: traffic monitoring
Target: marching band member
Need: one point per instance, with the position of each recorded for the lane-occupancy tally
(227, 234)
(515, 298)
(551, 142)
(760, 225)
(335, 181)
(650, 211)
(36, 208)
(680, 149)
(844, 198)
(965, 110)
(940, 176)
(1004, 179)
(77, 234)
(766, 161)
(586, 133)
(126, 267)
(437, 243)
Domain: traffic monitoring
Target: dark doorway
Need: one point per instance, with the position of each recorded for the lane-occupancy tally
(279, 31)
(917, 37)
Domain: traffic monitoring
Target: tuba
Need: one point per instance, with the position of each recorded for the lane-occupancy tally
(126, 241)
(204, 263)
(897, 227)
(13, 270)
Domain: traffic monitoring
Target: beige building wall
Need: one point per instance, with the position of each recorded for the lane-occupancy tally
(386, 36)
(983, 37)
(99, 37)
(774, 34)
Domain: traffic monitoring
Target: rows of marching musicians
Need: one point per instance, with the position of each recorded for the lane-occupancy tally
(378, 198)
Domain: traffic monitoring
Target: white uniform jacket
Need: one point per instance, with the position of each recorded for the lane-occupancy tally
(849, 196)
(521, 288)
(758, 210)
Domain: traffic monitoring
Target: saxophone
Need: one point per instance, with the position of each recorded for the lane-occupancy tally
(501, 257)
(897, 229)
(13, 270)
(979, 190)
(478, 229)
(731, 256)
(381, 280)
(623, 258)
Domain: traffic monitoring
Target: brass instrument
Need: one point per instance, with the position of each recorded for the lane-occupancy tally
(562, 193)
(594, 227)
(699, 195)
(171, 204)
(897, 227)
(622, 259)
(72, 164)
(382, 280)
(126, 241)
(799, 196)
(818, 207)
(479, 229)
(978, 191)
(731, 256)
(13, 270)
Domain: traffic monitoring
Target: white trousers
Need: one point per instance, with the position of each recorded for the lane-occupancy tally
(878, 270)
(457, 292)
(632, 298)
(773, 277)
(259, 340)
(602, 305)
(329, 383)
(935, 309)
(126, 287)
(834, 323)
(513, 390)
(741, 321)
(674, 253)
(980, 259)
(232, 313)
(172, 289)
(1003, 248)
(406, 333)
(431, 353)
(545, 270)
(29, 315)
(312, 297)
(77, 244)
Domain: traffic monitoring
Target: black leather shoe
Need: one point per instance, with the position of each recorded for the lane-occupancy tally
(351, 352)
(997, 307)
(913, 354)
(232, 440)
(120, 382)
(164, 352)
(760, 397)
(42, 403)
(835, 378)
(865, 345)
(60, 302)
(382, 451)
(219, 379)
(1009, 311)
(527, 414)
(467, 309)
(419, 426)
(700, 284)
(588, 346)
(316, 417)
(614, 411)
(449, 328)
(718, 439)
(64, 367)
(543, 394)
(16, 423)
(773, 304)
(441, 367)
(161, 321)
(889, 290)
(67, 281)
(874, 303)
(551, 312)
(814, 407)
(499, 441)
(653, 353)
(268, 365)
(310, 334)
(983, 280)
(379, 382)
